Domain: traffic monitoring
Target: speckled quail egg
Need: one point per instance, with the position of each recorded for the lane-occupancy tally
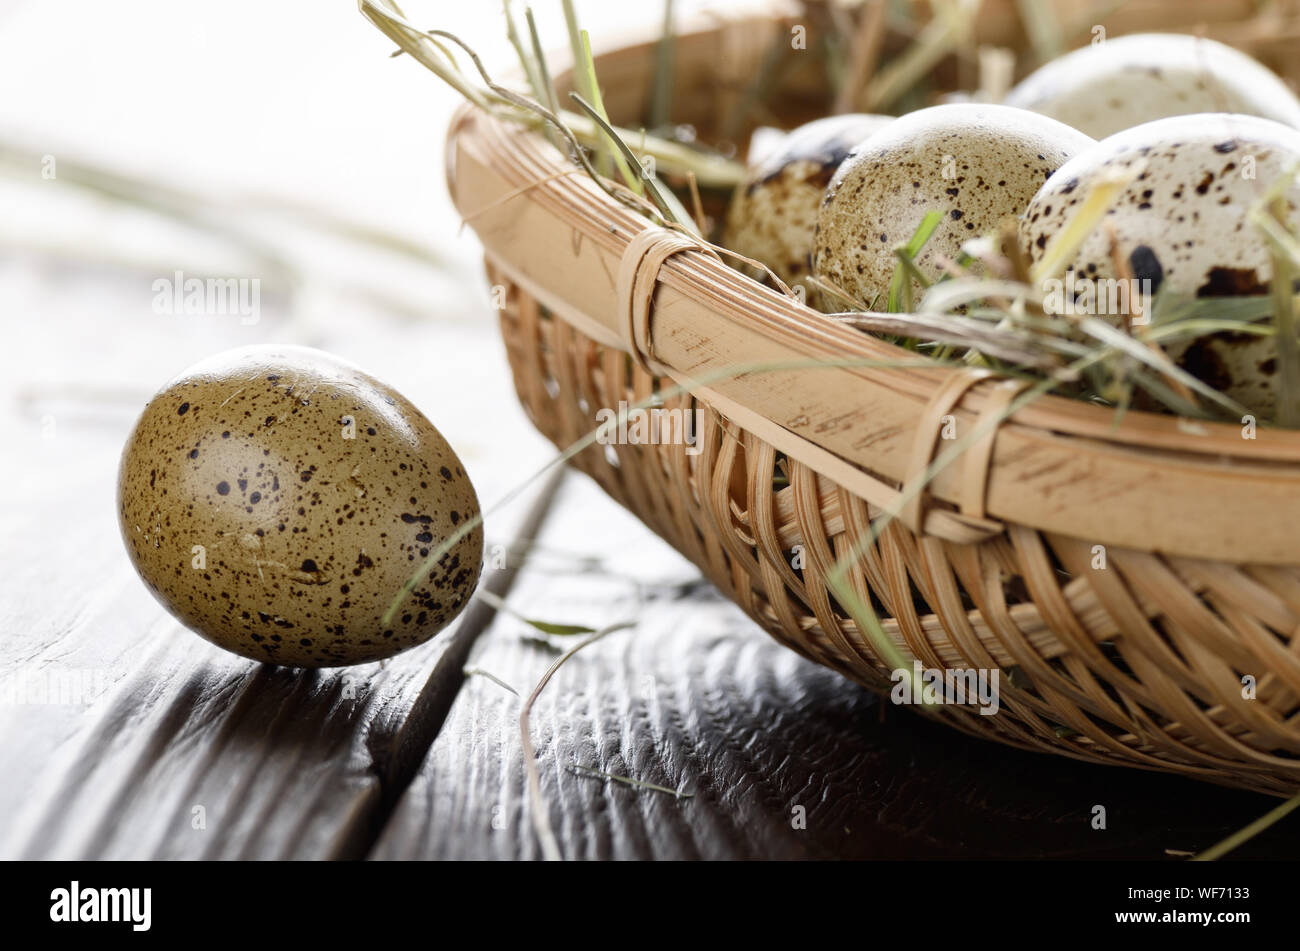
(977, 164)
(774, 211)
(1182, 222)
(1241, 366)
(1116, 84)
(275, 499)
(1182, 225)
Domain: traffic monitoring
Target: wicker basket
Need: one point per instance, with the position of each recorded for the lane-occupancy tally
(1140, 662)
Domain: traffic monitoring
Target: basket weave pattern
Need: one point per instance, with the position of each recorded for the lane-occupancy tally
(1124, 579)
(1140, 663)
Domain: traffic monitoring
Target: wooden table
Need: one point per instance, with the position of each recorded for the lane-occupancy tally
(181, 750)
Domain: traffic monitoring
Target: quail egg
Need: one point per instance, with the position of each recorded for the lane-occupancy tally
(1182, 221)
(1182, 226)
(1116, 84)
(276, 499)
(977, 164)
(774, 211)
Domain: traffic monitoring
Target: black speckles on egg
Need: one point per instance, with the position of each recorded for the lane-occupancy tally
(276, 561)
(977, 165)
(1105, 88)
(1232, 282)
(1146, 266)
(1182, 222)
(1183, 225)
(772, 216)
(1241, 366)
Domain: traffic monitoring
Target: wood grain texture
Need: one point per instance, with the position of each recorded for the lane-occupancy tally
(162, 745)
(196, 753)
(696, 699)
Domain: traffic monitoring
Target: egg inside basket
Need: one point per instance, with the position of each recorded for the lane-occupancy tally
(1133, 578)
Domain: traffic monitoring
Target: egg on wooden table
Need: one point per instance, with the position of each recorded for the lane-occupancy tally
(276, 499)
(1182, 225)
(1114, 85)
(774, 211)
(977, 164)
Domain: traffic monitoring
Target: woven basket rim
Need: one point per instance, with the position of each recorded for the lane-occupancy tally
(1164, 444)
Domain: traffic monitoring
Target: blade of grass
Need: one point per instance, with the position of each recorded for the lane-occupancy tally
(833, 45)
(499, 604)
(526, 60)
(864, 55)
(1066, 242)
(1170, 308)
(900, 286)
(1288, 355)
(661, 87)
(954, 331)
(582, 79)
(512, 98)
(488, 675)
(1248, 833)
(632, 179)
(712, 170)
(672, 208)
(950, 28)
(629, 781)
(1123, 343)
(697, 206)
(468, 525)
(1269, 216)
(551, 101)
(1201, 327)
(388, 17)
(541, 820)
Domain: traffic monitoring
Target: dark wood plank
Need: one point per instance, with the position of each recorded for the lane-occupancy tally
(281, 763)
(697, 699)
(171, 732)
